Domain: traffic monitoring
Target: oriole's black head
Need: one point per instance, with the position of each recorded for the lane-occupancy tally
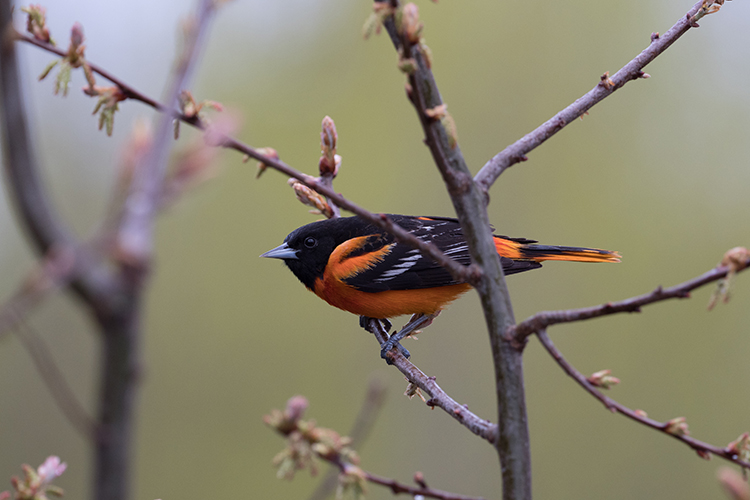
(306, 250)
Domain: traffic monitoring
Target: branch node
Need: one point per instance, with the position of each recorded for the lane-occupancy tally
(409, 92)
(419, 479)
(677, 426)
(606, 82)
(604, 380)
(691, 21)
(436, 113)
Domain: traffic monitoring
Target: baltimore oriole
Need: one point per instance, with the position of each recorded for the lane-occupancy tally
(356, 266)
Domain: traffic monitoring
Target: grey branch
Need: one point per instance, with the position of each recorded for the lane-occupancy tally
(438, 397)
(469, 201)
(542, 320)
(666, 427)
(517, 151)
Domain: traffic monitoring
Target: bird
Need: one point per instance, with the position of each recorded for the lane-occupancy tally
(357, 266)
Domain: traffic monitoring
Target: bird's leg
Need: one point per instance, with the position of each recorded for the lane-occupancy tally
(417, 321)
(387, 325)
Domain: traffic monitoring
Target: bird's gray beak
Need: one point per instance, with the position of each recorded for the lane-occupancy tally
(283, 251)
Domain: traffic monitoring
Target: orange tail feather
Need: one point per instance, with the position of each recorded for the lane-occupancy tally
(538, 253)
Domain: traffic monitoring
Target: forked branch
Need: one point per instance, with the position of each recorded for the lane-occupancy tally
(512, 442)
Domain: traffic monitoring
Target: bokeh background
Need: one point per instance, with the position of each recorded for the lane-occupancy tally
(659, 172)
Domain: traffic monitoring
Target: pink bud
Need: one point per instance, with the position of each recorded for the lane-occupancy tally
(411, 26)
(295, 407)
(51, 469)
(76, 35)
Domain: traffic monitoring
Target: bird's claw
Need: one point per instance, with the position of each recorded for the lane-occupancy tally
(390, 344)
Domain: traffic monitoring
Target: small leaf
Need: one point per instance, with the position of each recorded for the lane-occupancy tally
(677, 426)
(48, 69)
(63, 78)
(372, 25)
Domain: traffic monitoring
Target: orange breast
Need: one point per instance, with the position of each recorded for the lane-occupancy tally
(387, 304)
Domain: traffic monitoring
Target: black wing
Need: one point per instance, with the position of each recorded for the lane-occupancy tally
(404, 267)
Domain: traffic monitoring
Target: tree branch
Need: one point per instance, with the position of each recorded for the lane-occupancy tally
(512, 443)
(670, 428)
(517, 151)
(468, 274)
(438, 397)
(134, 238)
(399, 488)
(54, 379)
(128, 91)
(134, 241)
(542, 320)
(91, 279)
(52, 273)
(363, 424)
(306, 442)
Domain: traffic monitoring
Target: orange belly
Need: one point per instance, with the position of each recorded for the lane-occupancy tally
(390, 303)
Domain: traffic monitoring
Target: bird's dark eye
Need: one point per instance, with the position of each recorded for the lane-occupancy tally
(310, 242)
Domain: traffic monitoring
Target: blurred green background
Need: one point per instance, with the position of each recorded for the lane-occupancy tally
(659, 172)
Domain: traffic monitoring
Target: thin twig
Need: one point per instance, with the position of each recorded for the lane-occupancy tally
(368, 413)
(52, 273)
(55, 381)
(363, 424)
(135, 234)
(129, 91)
(612, 405)
(306, 440)
(543, 319)
(397, 487)
(438, 397)
(469, 274)
(92, 279)
(517, 151)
